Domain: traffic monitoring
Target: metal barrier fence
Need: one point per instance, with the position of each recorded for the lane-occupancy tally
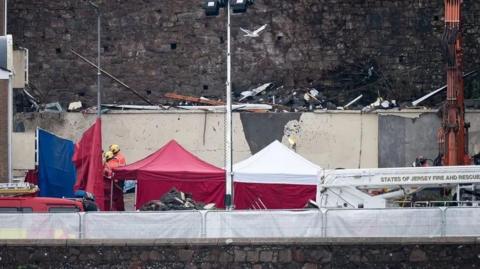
(425, 222)
(263, 223)
(40, 226)
(142, 225)
(332, 223)
(462, 221)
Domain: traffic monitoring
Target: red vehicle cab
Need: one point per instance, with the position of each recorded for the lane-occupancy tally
(39, 205)
(21, 198)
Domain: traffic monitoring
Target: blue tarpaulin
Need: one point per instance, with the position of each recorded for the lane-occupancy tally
(56, 172)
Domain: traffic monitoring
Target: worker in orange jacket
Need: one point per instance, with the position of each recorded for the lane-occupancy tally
(118, 192)
(115, 149)
(121, 162)
(113, 198)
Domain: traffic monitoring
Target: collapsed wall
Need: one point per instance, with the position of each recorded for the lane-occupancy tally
(342, 48)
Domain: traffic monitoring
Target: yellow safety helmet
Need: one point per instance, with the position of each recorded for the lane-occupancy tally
(114, 148)
(108, 155)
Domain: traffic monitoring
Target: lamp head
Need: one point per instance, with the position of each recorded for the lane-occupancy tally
(240, 6)
(212, 7)
(93, 5)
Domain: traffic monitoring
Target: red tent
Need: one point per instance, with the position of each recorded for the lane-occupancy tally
(173, 166)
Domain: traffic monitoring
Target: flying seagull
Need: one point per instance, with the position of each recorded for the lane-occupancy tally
(254, 33)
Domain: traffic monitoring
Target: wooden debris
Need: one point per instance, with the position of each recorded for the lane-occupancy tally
(192, 99)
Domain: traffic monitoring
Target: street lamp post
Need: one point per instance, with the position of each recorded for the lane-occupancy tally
(212, 9)
(99, 80)
(99, 72)
(228, 125)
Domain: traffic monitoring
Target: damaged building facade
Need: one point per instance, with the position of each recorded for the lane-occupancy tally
(312, 55)
(341, 48)
(335, 139)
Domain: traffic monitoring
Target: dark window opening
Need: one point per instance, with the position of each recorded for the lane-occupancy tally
(81, 94)
(159, 11)
(401, 59)
(205, 87)
(58, 50)
(16, 210)
(436, 18)
(148, 92)
(63, 209)
(9, 210)
(106, 48)
(222, 40)
(279, 38)
(173, 46)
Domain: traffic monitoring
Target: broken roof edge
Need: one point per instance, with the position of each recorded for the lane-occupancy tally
(181, 111)
(377, 111)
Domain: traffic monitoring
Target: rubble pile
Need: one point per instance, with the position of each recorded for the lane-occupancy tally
(357, 86)
(352, 86)
(175, 200)
(286, 100)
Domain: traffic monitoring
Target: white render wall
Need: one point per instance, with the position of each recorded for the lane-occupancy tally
(328, 139)
(347, 139)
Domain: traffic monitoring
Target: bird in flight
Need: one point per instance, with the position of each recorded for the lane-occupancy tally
(253, 33)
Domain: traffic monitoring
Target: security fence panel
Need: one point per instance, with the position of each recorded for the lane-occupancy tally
(263, 223)
(462, 221)
(384, 223)
(142, 225)
(39, 226)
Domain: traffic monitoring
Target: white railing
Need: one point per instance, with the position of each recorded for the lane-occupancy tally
(333, 223)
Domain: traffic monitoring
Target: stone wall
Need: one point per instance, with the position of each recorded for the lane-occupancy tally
(253, 256)
(162, 46)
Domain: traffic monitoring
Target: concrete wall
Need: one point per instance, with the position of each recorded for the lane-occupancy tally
(23, 150)
(141, 134)
(330, 140)
(345, 139)
(20, 78)
(404, 136)
(474, 133)
(407, 134)
(341, 139)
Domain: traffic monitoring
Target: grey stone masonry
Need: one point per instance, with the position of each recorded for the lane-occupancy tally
(164, 46)
(299, 256)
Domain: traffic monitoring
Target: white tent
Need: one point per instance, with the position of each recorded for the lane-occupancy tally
(275, 177)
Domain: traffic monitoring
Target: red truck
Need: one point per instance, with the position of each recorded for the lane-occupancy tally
(21, 198)
(40, 205)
